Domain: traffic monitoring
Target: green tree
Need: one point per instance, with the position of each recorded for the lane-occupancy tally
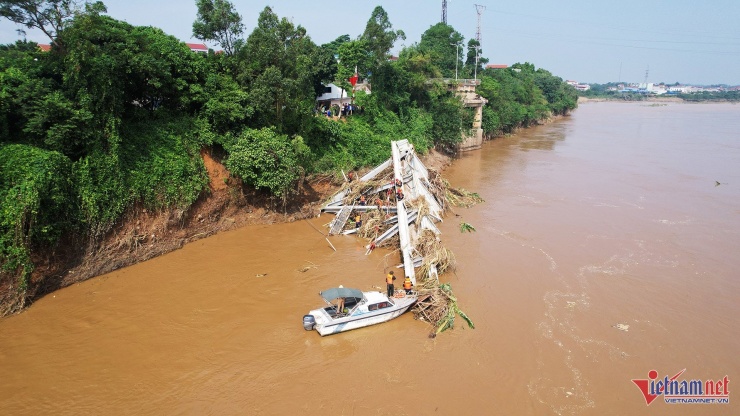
(474, 66)
(24, 81)
(266, 160)
(49, 16)
(333, 47)
(282, 70)
(116, 71)
(561, 97)
(219, 22)
(352, 55)
(228, 105)
(440, 42)
(380, 36)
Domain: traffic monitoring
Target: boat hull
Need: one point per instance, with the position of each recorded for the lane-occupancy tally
(334, 326)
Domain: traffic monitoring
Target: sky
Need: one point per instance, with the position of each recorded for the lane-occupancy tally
(589, 41)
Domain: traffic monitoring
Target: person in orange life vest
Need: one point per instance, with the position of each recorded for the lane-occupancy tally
(399, 194)
(389, 278)
(363, 201)
(407, 285)
(358, 221)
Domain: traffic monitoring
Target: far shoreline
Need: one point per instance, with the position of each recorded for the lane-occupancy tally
(584, 100)
(650, 99)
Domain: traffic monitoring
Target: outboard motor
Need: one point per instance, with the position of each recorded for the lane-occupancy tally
(308, 322)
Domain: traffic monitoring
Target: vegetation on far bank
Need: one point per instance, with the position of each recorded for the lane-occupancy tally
(114, 115)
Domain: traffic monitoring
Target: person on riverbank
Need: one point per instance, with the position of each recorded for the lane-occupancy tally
(389, 278)
(407, 285)
(358, 221)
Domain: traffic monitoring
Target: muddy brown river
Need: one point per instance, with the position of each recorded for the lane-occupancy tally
(605, 249)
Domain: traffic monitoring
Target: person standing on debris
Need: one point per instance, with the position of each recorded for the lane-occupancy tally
(407, 285)
(389, 278)
(358, 221)
(363, 201)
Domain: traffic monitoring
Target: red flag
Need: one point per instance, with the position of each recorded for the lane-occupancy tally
(353, 79)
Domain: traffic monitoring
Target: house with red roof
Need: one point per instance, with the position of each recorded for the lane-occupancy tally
(197, 47)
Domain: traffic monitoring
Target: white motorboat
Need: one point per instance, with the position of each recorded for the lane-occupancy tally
(360, 309)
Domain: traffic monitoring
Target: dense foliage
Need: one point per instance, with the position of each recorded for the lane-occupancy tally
(116, 115)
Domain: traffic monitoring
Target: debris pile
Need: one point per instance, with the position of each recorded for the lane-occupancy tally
(397, 204)
(439, 307)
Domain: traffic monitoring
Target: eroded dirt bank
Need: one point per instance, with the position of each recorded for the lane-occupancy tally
(144, 234)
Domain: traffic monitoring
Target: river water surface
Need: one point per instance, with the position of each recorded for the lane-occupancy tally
(611, 216)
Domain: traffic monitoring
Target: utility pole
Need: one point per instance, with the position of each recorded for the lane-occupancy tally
(475, 72)
(444, 11)
(457, 56)
(478, 9)
(647, 71)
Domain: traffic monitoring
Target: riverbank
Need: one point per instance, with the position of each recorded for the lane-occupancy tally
(591, 225)
(144, 234)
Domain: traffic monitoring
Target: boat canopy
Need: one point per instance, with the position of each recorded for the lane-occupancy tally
(340, 292)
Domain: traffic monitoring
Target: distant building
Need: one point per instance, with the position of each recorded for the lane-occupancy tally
(197, 47)
(583, 87)
(496, 66)
(44, 47)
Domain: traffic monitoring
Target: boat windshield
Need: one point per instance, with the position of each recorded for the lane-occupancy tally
(341, 292)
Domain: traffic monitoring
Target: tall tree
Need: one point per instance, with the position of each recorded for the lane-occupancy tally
(472, 64)
(218, 21)
(282, 69)
(441, 42)
(333, 46)
(49, 16)
(352, 55)
(380, 36)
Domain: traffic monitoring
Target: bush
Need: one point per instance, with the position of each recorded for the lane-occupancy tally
(37, 204)
(266, 160)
